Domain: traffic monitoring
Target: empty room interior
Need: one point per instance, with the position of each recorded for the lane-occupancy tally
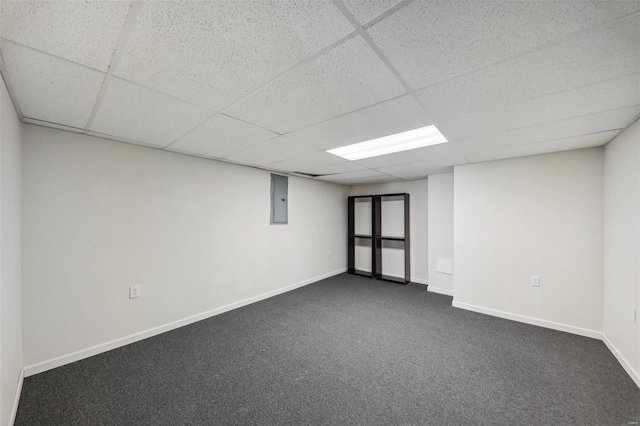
(316, 212)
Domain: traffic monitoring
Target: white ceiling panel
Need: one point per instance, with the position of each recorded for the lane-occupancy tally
(588, 124)
(307, 162)
(348, 77)
(435, 163)
(140, 114)
(611, 94)
(394, 116)
(566, 144)
(601, 54)
(85, 32)
(342, 177)
(271, 151)
(344, 167)
(49, 88)
(423, 173)
(371, 180)
(220, 137)
(214, 53)
(413, 156)
(429, 41)
(366, 10)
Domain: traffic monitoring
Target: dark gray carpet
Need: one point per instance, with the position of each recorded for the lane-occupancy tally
(346, 350)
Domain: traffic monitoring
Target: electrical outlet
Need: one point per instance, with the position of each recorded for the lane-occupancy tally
(535, 281)
(328, 253)
(134, 291)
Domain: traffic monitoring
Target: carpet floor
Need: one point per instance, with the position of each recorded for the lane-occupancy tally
(345, 350)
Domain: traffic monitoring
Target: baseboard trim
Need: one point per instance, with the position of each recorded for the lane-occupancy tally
(16, 400)
(419, 281)
(136, 337)
(530, 320)
(439, 290)
(635, 376)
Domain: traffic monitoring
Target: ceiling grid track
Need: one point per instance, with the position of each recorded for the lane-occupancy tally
(132, 17)
(363, 33)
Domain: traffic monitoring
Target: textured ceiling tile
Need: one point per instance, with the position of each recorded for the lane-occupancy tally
(588, 124)
(137, 113)
(214, 53)
(412, 156)
(307, 162)
(601, 54)
(349, 77)
(366, 10)
(436, 163)
(423, 173)
(352, 176)
(607, 95)
(271, 151)
(221, 136)
(85, 32)
(49, 88)
(344, 167)
(394, 116)
(371, 180)
(565, 144)
(429, 41)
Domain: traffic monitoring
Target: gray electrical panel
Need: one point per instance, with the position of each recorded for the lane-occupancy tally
(279, 200)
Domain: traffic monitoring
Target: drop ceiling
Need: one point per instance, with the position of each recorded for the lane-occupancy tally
(273, 84)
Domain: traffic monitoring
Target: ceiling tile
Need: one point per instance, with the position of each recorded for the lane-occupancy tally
(343, 177)
(565, 144)
(85, 32)
(429, 41)
(137, 113)
(366, 10)
(348, 77)
(394, 116)
(413, 156)
(601, 54)
(220, 137)
(49, 88)
(371, 180)
(607, 95)
(214, 53)
(436, 163)
(271, 151)
(344, 167)
(307, 162)
(594, 123)
(423, 173)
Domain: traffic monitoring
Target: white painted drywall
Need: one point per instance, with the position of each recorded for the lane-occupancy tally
(10, 254)
(622, 243)
(100, 216)
(440, 206)
(540, 215)
(393, 222)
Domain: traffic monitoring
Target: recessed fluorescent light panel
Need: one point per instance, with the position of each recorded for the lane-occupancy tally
(404, 141)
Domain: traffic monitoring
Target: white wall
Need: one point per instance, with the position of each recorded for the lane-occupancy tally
(393, 220)
(100, 216)
(10, 255)
(440, 230)
(539, 215)
(622, 245)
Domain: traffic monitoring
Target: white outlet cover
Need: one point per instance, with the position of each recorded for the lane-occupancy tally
(134, 291)
(535, 281)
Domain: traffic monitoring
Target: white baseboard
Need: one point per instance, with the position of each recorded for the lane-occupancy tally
(123, 341)
(16, 400)
(419, 281)
(635, 376)
(530, 320)
(438, 290)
